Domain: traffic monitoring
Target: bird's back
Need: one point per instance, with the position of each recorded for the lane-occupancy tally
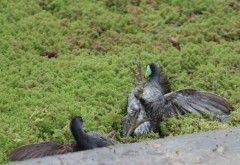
(99, 140)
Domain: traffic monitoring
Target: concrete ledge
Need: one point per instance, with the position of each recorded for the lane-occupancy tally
(220, 147)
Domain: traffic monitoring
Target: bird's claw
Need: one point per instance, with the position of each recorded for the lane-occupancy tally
(112, 135)
(139, 93)
(134, 123)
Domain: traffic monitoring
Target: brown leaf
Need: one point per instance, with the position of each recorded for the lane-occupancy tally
(191, 19)
(175, 42)
(150, 1)
(237, 25)
(51, 53)
(215, 39)
(132, 10)
(145, 30)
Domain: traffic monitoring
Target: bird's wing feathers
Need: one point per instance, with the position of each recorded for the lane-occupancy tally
(99, 139)
(38, 150)
(193, 101)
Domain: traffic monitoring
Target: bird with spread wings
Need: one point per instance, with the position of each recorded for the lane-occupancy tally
(152, 100)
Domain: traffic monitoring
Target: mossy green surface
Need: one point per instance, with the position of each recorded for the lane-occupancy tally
(97, 42)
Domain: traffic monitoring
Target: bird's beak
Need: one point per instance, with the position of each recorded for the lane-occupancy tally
(148, 72)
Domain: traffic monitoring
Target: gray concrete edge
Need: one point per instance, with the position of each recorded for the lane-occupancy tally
(220, 147)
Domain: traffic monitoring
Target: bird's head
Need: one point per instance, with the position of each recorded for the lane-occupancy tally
(76, 121)
(150, 69)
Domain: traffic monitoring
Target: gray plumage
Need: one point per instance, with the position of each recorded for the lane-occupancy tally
(88, 140)
(133, 107)
(101, 140)
(157, 101)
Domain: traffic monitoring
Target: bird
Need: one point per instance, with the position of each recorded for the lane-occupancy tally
(82, 141)
(152, 100)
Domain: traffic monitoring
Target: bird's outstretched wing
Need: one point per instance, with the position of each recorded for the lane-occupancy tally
(38, 150)
(192, 101)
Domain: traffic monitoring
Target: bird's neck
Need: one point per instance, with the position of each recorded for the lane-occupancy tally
(80, 137)
(155, 77)
(156, 80)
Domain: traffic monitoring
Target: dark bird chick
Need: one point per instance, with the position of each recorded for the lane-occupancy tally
(83, 141)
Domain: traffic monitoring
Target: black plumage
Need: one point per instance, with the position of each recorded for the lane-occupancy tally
(89, 140)
(155, 99)
(83, 141)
